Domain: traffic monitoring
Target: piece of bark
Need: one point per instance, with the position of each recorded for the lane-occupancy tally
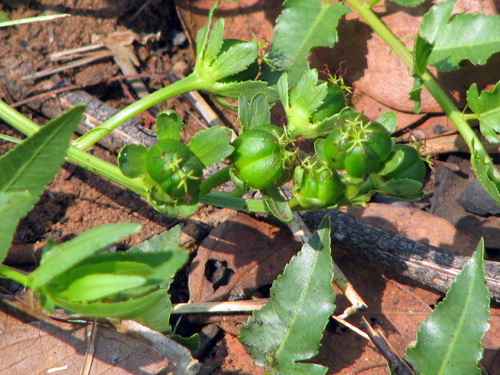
(426, 264)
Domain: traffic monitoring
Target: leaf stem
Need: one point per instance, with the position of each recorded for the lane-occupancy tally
(13, 274)
(222, 199)
(430, 83)
(74, 155)
(190, 83)
(214, 180)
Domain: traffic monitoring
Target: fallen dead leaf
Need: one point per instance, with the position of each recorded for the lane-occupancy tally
(239, 256)
(33, 343)
(417, 225)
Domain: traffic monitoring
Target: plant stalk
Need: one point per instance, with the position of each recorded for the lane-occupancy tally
(458, 119)
(190, 83)
(13, 274)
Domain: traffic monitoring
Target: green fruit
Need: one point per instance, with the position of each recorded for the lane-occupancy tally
(410, 165)
(258, 156)
(358, 147)
(316, 186)
(176, 169)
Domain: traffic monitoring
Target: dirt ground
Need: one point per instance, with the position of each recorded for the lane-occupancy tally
(77, 200)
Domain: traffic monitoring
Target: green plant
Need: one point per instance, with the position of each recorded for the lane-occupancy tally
(360, 156)
(71, 275)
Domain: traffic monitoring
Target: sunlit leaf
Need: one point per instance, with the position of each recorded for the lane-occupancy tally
(211, 145)
(169, 125)
(467, 36)
(254, 113)
(289, 328)
(32, 164)
(302, 25)
(13, 207)
(63, 257)
(449, 341)
(487, 107)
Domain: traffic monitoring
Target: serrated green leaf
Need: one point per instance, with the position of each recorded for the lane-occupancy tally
(487, 107)
(169, 125)
(211, 145)
(435, 20)
(122, 309)
(449, 341)
(63, 257)
(409, 3)
(282, 88)
(277, 204)
(389, 120)
(473, 37)
(308, 96)
(289, 328)
(132, 160)
(421, 52)
(302, 25)
(487, 174)
(157, 316)
(233, 61)
(254, 113)
(97, 286)
(202, 35)
(167, 240)
(248, 89)
(13, 207)
(31, 165)
(215, 41)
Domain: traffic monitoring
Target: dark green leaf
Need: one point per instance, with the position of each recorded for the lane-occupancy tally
(421, 52)
(473, 37)
(277, 204)
(389, 120)
(449, 341)
(302, 25)
(290, 327)
(65, 256)
(409, 3)
(212, 145)
(167, 240)
(157, 316)
(487, 107)
(96, 286)
(122, 309)
(13, 207)
(31, 165)
(132, 160)
(487, 174)
(254, 113)
(169, 125)
(234, 60)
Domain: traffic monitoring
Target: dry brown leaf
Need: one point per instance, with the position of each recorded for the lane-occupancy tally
(34, 344)
(417, 225)
(247, 252)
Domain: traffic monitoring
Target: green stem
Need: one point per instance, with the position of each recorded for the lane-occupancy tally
(13, 274)
(218, 178)
(74, 155)
(222, 199)
(430, 83)
(190, 83)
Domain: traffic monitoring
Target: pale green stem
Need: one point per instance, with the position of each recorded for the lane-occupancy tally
(430, 83)
(190, 83)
